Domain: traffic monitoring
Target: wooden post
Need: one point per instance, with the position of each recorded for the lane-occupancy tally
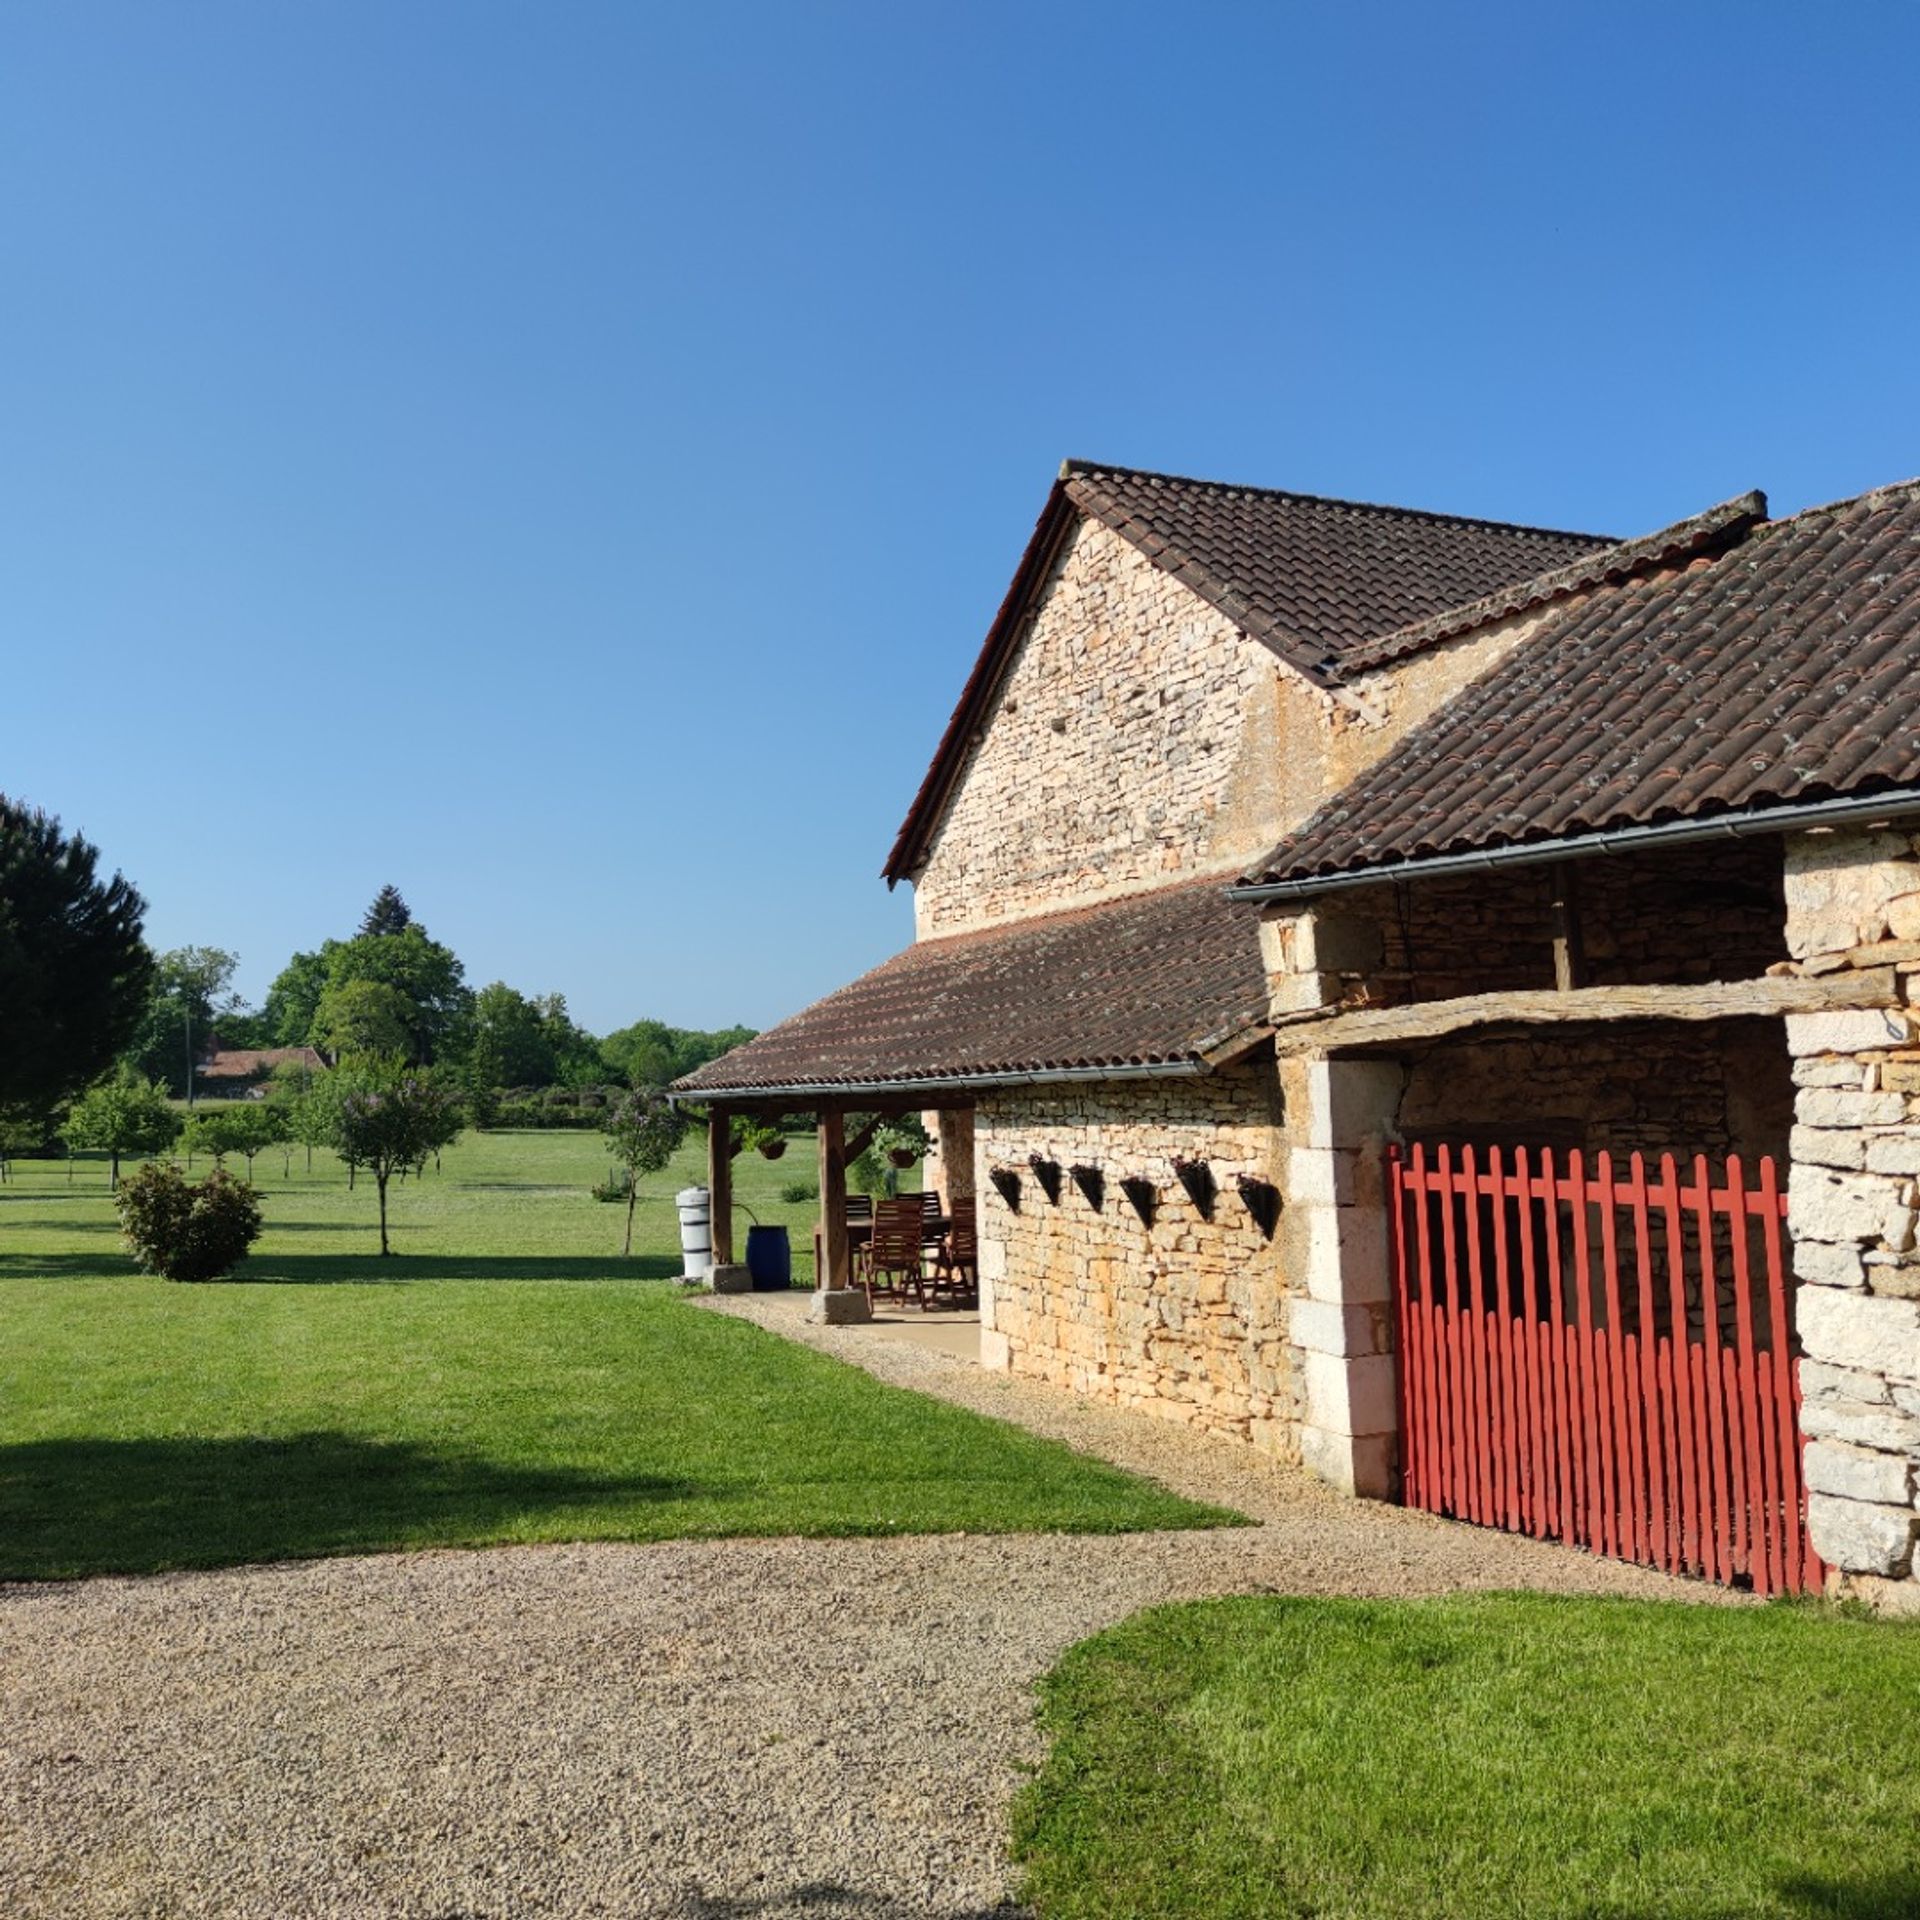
(836, 1273)
(720, 1183)
(1569, 960)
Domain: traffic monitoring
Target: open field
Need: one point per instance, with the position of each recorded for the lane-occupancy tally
(507, 1377)
(1502, 1756)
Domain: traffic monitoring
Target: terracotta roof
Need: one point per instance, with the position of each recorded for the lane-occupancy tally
(1157, 980)
(1313, 579)
(244, 1063)
(1785, 670)
(1702, 533)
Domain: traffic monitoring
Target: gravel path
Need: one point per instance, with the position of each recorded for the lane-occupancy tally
(716, 1728)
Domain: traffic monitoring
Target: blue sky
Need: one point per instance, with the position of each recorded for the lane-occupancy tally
(563, 459)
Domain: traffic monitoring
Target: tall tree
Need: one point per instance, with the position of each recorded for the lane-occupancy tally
(192, 993)
(294, 998)
(388, 914)
(428, 975)
(511, 1044)
(74, 970)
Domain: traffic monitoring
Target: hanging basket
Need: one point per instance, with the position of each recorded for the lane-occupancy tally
(772, 1149)
(1197, 1178)
(1006, 1183)
(1047, 1172)
(1142, 1195)
(1262, 1200)
(901, 1157)
(1091, 1182)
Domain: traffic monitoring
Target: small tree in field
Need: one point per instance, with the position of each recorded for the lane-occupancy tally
(119, 1116)
(643, 1132)
(252, 1128)
(393, 1119)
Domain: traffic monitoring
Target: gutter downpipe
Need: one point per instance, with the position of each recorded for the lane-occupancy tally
(1820, 813)
(953, 1083)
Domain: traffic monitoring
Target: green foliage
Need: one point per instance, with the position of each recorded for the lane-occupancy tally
(390, 1118)
(191, 998)
(753, 1136)
(124, 1115)
(183, 1230)
(74, 970)
(361, 1017)
(294, 999)
(425, 974)
(652, 1054)
(798, 1192)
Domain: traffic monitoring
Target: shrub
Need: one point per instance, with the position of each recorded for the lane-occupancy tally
(183, 1229)
(795, 1191)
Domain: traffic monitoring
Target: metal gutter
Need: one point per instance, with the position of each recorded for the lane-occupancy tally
(1844, 811)
(810, 1091)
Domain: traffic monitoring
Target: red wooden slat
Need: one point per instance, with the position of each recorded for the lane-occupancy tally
(1482, 1426)
(1773, 1205)
(1565, 1402)
(1592, 1530)
(1432, 1361)
(1648, 1414)
(1762, 1470)
(1688, 1477)
(1508, 1464)
(1527, 1327)
(1624, 1505)
(1459, 1369)
(1721, 1532)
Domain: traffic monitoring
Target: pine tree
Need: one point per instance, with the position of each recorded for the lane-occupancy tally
(388, 914)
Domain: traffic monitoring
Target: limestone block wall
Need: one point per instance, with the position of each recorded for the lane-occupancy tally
(1185, 1318)
(1853, 901)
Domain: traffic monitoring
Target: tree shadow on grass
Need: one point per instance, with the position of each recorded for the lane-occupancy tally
(1875, 1896)
(360, 1269)
(86, 1506)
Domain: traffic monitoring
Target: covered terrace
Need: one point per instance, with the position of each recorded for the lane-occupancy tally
(1161, 985)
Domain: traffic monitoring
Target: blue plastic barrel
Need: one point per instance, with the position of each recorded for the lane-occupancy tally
(769, 1258)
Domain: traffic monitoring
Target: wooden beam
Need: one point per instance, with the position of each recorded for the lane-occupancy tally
(836, 1270)
(1569, 955)
(1734, 1000)
(861, 1140)
(720, 1183)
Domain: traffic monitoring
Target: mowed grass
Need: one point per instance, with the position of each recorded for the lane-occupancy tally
(1496, 1757)
(507, 1377)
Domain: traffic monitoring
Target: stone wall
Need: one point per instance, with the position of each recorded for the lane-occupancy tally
(1138, 737)
(1184, 1317)
(1853, 901)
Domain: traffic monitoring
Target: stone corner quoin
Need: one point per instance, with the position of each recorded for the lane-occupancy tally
(1853, 899)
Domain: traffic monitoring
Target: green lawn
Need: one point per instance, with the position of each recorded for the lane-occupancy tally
(506, 1378)
(1480, 1758)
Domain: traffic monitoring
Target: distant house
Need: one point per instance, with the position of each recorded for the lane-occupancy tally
(235, 1072)
(1486, 956)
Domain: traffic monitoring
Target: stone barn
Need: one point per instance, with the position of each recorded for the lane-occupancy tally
(1430, 998)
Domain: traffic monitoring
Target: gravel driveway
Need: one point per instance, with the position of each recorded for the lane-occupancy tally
(690, 1729)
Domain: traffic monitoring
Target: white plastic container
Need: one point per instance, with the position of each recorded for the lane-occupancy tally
(696, 1231)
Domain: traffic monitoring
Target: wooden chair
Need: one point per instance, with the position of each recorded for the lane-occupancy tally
(956, 1267)
(933, 1221)
(894, 1261)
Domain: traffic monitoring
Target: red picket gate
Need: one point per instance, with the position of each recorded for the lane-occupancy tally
(1602, 1361)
